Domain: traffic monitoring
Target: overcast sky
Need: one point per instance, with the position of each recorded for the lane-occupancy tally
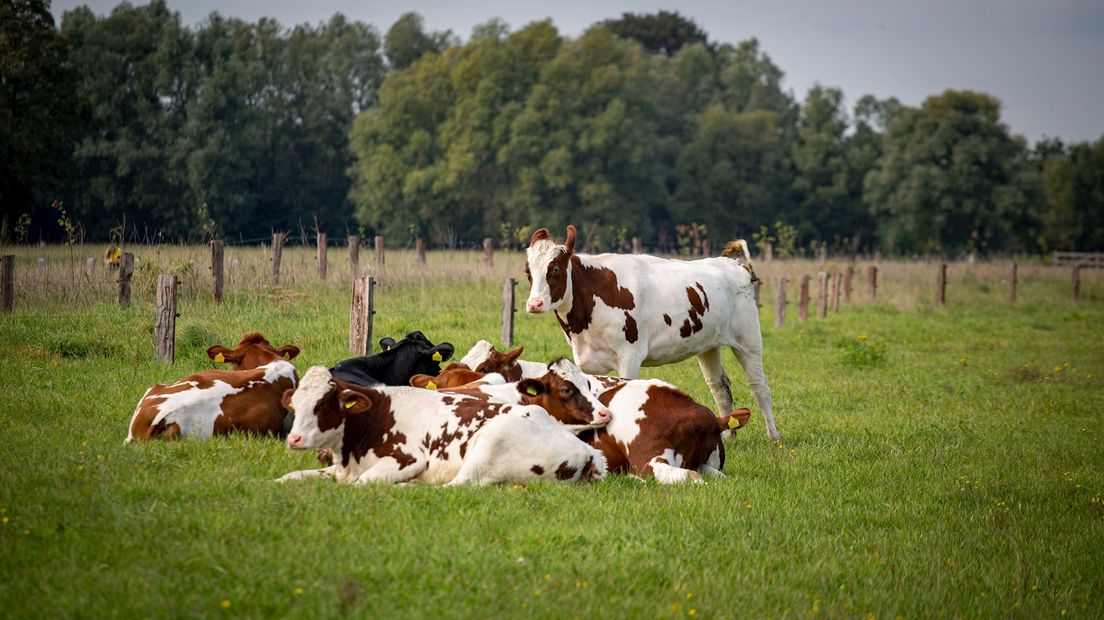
(1044, 59)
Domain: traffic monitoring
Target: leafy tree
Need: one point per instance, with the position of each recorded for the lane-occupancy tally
(407, 41)
(40, 116)
(664, 32)
(137, 77)
(822, 182)
(942, 183)
(1074, 198)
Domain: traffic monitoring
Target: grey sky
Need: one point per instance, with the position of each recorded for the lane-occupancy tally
(1043, 59)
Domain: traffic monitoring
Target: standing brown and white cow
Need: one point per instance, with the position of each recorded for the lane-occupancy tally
(219, 402)
(622, 311)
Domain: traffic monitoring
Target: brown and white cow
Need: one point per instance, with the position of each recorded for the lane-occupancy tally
(401, 434)
(656, 429)
(219, 402)
(620, 312)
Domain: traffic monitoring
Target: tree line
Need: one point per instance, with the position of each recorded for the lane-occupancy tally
(642, 126)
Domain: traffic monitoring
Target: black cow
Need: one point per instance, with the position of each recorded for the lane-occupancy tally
(394, 365)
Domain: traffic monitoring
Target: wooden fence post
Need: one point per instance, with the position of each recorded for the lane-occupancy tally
(419, 249)
(322, 260)
(941, 285)
(878, 256)
(780, 303)
(705, 247)
(379, 251)
(637, 245)
(847, 284)
(90, 266)
(361, 312)
(822, 294)
(1012, 281)
(1076, 283)
(164, 334)
(7, 283)
(488, 252)
(126, 270)
(803, 308)
(277, 255)
(508, 311)
(822, 254)
(354, 254)
(41, 266)
(217, 270)
(872, 282)
(837, 288)
(768, 252)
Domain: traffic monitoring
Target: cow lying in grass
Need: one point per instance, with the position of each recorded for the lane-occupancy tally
(218, 402)
(656, 429)
(403, 434)
(396, 363)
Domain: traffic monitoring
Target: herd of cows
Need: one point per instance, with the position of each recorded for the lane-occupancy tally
(397, 417)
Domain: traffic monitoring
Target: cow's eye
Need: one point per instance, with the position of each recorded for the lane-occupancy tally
(555, 270)
(567, 390)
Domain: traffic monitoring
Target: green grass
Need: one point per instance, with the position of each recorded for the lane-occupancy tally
(948, 463)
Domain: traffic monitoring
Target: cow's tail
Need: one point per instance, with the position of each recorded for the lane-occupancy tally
(738, 251)
(737, 419)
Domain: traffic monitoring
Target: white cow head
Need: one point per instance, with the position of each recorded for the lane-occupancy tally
(321, 405)
(548, 267)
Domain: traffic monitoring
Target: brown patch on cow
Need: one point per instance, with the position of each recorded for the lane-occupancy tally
(589, 284)
(505, 364)
(705, 297)
(565, 471)
(253, 351)
(257, 409)
(672, 420)
(667, 319)
(455, 375)
(560, 398)
(693, 324)
(471, 408)
(537, 469)
(589, 471)
(612, 385)
(630, 328)
(372, 430)
(556, 276)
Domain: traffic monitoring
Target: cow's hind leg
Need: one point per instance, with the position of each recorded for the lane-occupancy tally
(669, 474)
(752, 361)
(715, 377)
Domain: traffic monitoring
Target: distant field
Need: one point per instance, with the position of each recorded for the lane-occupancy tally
(935, 463)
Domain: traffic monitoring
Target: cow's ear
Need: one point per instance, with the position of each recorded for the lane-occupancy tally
(421, 381)
(456, 365)
(387, 343)
(511, 357)
(286, 400)
(221, 355)
(288, 351)
(530, 387)
(540, 234)
(442, 352)
(570, 243)
(353, 401)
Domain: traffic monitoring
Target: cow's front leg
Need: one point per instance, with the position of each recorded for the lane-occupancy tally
(307, 473)
(628, 365)
(390, 471)
(715, 377)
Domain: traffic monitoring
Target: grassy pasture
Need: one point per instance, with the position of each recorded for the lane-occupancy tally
(936, 462)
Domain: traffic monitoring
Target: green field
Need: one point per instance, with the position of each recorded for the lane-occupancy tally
(936, 463)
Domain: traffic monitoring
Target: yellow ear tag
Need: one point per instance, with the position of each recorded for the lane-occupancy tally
(532, 391)
(349, 404)
(437, 356)
(219, 358)
(388, 348)
(431, 386)
(287, 356)
(733, 423)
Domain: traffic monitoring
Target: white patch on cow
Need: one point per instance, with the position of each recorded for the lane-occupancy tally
(515, 445)
(479, 353)
(539, 256)
(667, 469)
(313, 387)
(628, 410)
